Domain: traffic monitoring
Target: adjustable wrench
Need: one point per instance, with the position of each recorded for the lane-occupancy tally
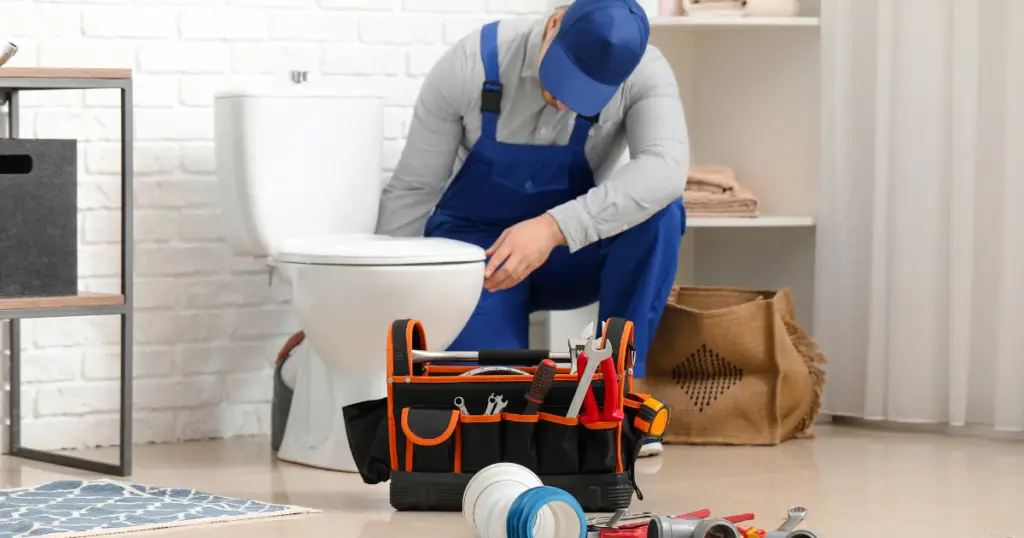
(579, 345)
(595, 356)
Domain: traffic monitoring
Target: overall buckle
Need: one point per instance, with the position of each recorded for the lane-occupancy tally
(490, 97)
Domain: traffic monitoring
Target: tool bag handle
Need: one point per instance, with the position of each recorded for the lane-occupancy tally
(408, 335)
(512, 357)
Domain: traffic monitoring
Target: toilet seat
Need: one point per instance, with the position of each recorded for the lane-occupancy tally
(377, 250)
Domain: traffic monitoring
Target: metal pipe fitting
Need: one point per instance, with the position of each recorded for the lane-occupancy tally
(666, 527)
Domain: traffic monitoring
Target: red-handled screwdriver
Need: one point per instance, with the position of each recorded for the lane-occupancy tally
(542, 381)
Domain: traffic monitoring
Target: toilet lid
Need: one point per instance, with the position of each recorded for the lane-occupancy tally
(378, 250)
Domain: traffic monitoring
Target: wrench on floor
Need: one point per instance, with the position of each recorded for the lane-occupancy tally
(796, 515)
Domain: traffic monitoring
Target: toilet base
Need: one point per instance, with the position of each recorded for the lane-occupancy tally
(315, 433)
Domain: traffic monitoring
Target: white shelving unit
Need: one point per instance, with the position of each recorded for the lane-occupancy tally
(764, 221)
(733, 22)
(751, 90)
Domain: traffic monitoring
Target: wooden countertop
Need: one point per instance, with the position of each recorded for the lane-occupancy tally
(64, 72)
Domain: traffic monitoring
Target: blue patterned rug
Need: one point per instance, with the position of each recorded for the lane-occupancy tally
(91, 508)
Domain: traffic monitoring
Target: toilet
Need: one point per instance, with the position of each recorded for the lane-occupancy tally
(299, 170)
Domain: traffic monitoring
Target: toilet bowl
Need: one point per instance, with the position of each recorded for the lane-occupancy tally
(299, 170)
(345, 294)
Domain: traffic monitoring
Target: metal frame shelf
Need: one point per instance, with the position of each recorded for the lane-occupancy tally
(13, 81)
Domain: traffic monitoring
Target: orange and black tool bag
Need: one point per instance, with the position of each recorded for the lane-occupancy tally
(419, 440)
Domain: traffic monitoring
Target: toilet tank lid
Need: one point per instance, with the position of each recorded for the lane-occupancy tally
(377, 250)
(290, 92)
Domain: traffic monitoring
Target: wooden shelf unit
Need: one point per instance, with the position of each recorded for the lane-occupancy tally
(13, 82)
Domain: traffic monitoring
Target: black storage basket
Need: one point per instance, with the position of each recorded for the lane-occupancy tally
(419, 440)
(38, 218)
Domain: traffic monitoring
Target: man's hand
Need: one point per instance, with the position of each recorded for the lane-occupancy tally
(520, 250)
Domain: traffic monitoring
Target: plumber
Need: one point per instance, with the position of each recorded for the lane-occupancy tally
(514, 145)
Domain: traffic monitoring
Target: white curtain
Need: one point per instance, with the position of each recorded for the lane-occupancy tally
(920, 286)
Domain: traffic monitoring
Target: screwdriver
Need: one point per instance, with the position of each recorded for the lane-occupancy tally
(542, 381)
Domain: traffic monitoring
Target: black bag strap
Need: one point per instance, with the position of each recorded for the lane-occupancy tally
(618, 333)
(404, 336)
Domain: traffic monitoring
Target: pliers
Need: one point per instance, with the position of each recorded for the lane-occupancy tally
(610, 376)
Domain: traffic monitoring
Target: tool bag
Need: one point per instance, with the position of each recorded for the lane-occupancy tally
(734, 367)
(419, 440)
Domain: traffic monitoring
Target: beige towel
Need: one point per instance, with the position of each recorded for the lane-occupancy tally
(713, 178)
(713, 8)
(713, 191)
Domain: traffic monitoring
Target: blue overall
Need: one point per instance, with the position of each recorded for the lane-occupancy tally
(500, 184)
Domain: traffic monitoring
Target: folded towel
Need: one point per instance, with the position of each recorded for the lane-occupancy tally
(713, 191)
(702, 204)
(713, 178)
(713, 8)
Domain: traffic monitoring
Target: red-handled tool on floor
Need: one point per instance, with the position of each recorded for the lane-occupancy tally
(619, 525)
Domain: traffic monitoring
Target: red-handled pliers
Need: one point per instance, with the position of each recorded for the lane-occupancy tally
(610, 376)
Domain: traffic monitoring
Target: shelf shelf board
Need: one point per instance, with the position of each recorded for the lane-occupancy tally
(735, 22)
(85, 301)
(764, 221)
(64, 72)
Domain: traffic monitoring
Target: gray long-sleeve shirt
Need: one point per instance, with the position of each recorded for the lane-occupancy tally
(646, 113)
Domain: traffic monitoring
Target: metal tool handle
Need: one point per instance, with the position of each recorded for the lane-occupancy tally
(492, 357)
(583, 388)
(494, 370)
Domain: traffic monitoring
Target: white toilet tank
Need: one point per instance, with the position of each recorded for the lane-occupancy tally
(293, 161)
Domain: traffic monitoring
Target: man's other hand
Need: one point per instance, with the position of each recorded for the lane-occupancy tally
(520, 250)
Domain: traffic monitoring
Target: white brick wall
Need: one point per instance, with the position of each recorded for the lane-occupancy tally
(207, 325)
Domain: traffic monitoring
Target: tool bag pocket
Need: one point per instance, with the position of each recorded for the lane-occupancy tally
(432, 440)
(481, 441)
(558, 444)
(366, 424)
(520, 441)
(599, 447)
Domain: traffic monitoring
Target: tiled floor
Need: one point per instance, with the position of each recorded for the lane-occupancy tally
(855, 483)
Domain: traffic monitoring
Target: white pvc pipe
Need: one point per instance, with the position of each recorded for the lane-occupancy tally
(491, 492)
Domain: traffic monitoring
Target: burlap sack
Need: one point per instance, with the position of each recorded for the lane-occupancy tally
(734, 368)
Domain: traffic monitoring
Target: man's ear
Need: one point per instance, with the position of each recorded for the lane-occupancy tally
(555, 20)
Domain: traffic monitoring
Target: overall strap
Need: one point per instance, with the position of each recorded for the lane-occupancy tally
(490, 97)
(581, 130)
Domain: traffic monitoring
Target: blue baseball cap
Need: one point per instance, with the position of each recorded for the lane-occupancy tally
(597, 47)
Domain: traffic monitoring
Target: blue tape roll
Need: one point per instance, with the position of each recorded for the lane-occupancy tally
(522, 515)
